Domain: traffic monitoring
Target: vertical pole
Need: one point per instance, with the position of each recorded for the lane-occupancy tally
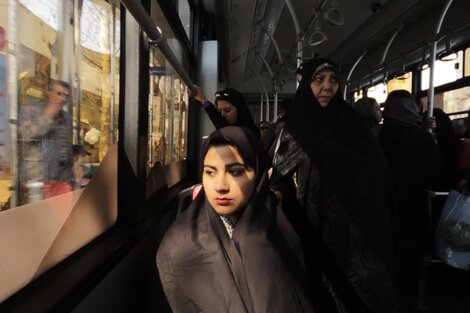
(13, 99)
(433, 60)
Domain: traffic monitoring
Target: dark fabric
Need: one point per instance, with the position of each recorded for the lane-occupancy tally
(369, 109)
(401, 111)
(415, 163)
(237, 100)
(259, 269)
(344, 188)
(446, 138)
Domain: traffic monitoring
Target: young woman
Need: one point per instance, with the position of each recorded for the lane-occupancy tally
(230, 109)
(232, 250)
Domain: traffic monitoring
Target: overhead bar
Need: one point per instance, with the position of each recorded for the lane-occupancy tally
(351, 71)
(146, 23)
(276, 47)
(394, 35)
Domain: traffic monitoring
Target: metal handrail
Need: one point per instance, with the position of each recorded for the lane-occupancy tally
(433, 60)
(148, 26)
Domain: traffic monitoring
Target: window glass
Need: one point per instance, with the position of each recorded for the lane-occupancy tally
(5, 160)
(184, 12)
(403, 81)
(167, 102)
(457, 100)
(357, 95)
(378, 92)
(59, 80)
(167, 114)
(467, 62)
(445, 72)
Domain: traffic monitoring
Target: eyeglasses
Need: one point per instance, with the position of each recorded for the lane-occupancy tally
(219, 94)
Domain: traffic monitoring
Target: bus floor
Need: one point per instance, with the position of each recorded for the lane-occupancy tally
(447, 290)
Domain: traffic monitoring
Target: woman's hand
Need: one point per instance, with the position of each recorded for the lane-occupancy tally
(198, 95)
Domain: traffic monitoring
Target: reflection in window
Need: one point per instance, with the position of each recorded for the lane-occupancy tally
(167, 114)
(45, 10)
(60, 105)
(444, 72)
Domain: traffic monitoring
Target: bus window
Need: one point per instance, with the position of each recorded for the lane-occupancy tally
(59, 91)
(378, 92)
(467, 62)
(445, 72)
(401, 82)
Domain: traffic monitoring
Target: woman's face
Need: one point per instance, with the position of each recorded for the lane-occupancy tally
(228, 182)
(324, 86)
(228, 111)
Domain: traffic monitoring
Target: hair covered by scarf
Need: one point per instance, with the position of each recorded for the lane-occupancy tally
(236, 99)
(256, 269)
(245, 141)
(400, 109)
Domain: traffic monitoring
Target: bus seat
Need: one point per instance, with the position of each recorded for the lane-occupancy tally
(185, 197)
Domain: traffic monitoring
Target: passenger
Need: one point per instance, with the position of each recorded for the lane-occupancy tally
(466, 123)
(343, 187)
(232, 250)
(415, 163)
(229, 109)
(45, 132)
(298, 72)
(273, 132)
(263, 128)
(446, 137)
(369, 109)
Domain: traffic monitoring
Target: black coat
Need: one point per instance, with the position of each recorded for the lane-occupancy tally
(344, 188)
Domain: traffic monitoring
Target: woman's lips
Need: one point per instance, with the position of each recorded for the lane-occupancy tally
(223, 201)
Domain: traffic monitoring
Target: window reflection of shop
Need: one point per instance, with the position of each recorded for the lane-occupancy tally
(167, 114)
(75, 41)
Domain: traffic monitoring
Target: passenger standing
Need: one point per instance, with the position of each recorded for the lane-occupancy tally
(263, 127)
(343, 185)
(369, 109)
(416, 163)
(232, 250)
(230, 109)
(445, 136)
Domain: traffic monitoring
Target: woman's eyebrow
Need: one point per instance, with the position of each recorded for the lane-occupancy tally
(210, 166)
(235, 164)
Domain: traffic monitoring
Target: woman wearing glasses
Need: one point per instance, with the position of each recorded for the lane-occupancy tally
(230, 109)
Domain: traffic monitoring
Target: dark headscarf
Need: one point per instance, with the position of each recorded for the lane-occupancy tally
(259, 269)
(400, 109)
(237, 100)
(348, 191)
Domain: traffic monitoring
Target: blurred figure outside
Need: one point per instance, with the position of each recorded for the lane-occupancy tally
(45, 136)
